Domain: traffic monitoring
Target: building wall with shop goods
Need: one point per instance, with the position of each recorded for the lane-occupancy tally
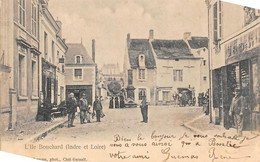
(233, 56)
(234, 30)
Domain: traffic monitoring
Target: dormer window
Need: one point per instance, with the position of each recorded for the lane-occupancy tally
(141, 60)
(78, 59)
(141, 75)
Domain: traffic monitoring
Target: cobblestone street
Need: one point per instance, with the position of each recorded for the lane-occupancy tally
(121, 135)
(128, 122)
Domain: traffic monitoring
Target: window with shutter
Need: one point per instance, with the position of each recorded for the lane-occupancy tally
(215, 22)
(21, 8)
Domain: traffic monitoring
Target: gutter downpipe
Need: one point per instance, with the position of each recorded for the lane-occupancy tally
(209, 63)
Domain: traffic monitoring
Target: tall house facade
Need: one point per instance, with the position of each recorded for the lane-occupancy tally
(52, 61)
(20, 56)
(80, 72)
(234, 33)
(6, 62)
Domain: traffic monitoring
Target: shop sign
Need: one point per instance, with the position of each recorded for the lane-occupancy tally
(243, 43)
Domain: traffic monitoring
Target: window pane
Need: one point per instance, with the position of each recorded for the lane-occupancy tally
(78, 59)
(174, 75)
(142, 92)
(143, 71)
(23, 18)
(78, 72)
(181, 75)
(20, 16)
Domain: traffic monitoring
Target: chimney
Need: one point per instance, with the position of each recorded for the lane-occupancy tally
(151, 34)
(93, 50)
(128, 39)
(59, 23)
(187, 36)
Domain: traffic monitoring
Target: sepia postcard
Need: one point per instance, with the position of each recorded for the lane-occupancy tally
(130, 80)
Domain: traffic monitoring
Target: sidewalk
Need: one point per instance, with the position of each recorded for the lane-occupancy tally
(32, 131)
(202, 126)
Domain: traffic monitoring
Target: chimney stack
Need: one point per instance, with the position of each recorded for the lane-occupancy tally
(187, 36)
(128, 39)
(151, 34)
(93, 50)
(59, 23)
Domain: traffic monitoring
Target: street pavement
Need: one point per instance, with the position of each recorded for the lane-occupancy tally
(160, 118)
(121, 136)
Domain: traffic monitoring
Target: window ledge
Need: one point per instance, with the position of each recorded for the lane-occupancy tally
(22, 98)
(34, 97)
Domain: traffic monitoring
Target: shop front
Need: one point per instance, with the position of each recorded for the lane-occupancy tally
(78, 90)
(242, 59)
(48, 95)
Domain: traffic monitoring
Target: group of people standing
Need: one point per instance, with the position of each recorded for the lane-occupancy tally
(85, 112)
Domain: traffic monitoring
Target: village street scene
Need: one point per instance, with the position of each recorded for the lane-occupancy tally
(98, 72)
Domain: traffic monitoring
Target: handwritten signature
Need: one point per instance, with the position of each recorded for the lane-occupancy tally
(168, 154)
(213, 156)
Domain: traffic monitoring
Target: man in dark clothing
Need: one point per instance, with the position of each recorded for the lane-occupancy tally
(206, 103)
(122, 102)
(116, 102)
(111, 103)
(84, 108)
(97, 106)
(237, 107)
(144, 109)
(71, 108)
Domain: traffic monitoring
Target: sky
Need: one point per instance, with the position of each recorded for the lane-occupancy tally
(109, 21)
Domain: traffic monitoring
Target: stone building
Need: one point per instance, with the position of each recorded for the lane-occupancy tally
(234, 33)
(161, 68)
(20, 57)
(6, 64)
(80, 72)
(53, 49)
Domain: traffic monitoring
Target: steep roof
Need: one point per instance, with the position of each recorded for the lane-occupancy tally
(171, 49)
(140, 46)
(198, 42)
(75, 49)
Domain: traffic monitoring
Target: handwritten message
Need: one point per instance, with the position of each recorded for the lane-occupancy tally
(171, 146)
(152, 146)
